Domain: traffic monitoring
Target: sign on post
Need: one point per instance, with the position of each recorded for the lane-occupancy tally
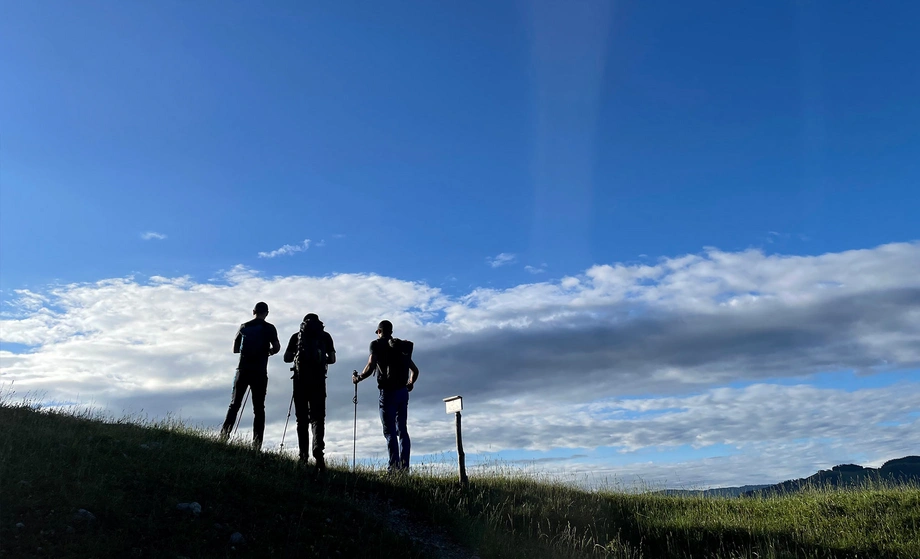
(454, 405)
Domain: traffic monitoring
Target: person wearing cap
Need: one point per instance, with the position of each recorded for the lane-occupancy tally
(255, 341)
(311, 350)
(391, 360)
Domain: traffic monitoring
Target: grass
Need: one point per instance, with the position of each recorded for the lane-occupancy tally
(132, 476)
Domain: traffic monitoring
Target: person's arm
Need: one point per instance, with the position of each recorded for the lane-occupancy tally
(330, 350)
(414, 368)
(276, 345)
(291, 350)
(368, 370)
(238, 340)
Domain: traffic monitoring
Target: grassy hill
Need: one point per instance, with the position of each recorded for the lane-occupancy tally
(79, 487)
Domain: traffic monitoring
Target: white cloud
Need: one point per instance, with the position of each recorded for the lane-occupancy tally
(636, 358)
(286, 250)
(536, 269)
(501, 259)
(152, 235)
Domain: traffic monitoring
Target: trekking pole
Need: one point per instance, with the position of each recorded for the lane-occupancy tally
(286, 423)
(354, 440)
(240, 418)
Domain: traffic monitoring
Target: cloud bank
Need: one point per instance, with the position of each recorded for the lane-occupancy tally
(699, 369)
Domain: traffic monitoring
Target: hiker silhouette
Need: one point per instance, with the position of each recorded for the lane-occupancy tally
(391, 360)
(255, 341)
(311, 350)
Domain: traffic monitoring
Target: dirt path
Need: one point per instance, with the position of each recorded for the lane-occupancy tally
(432, 538)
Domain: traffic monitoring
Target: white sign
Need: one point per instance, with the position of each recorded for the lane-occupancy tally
(454, 404)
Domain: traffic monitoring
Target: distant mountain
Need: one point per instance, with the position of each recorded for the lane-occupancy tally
(900, 470)
(716, 492)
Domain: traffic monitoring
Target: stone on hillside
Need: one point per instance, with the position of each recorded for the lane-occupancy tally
(192, 507)
(237, 539)
(85, 515)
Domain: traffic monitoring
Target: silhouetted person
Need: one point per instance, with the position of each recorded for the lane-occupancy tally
(255, 341)
(311, 351)
(391, 360)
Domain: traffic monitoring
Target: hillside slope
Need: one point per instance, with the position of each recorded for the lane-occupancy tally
(76, 487)
(130, 483)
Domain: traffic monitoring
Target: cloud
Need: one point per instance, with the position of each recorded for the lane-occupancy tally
(536, 270)
(501, 259)
(693, 353)
(152, 235)
(286, 250)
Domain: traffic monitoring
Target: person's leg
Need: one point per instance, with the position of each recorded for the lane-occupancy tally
(302, 414)
(259, 385)
(402, 410)
(236, 400)
(388, 420)
(318, 422)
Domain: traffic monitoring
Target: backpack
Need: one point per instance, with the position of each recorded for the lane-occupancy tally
(254, 341)
(394, 372)
(311, 348)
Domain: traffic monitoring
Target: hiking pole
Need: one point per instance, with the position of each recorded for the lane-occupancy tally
(354, 440)
(240, 418)
(286, 423)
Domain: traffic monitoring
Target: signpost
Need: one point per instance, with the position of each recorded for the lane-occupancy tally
(454, 405)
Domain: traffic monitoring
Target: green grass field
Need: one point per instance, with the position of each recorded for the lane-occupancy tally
(131, 477)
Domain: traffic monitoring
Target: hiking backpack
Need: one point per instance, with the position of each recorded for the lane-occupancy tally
(311, 348)
(396, 372)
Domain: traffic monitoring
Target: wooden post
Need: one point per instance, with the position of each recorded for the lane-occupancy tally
(454, 405)
(461, 458)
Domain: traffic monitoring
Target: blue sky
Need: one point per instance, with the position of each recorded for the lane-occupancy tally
(454, 155)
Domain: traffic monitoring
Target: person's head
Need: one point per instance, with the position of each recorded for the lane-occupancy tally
(384, 329)
(311, 322)
(260, 310)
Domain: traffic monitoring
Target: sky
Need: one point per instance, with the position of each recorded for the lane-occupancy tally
(648, 243)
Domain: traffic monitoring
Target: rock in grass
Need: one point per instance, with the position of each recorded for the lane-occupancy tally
(85, 516)
(237, 539)
(192, 507)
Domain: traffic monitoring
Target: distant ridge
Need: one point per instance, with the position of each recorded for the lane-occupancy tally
(715, 492)
(898, 471)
